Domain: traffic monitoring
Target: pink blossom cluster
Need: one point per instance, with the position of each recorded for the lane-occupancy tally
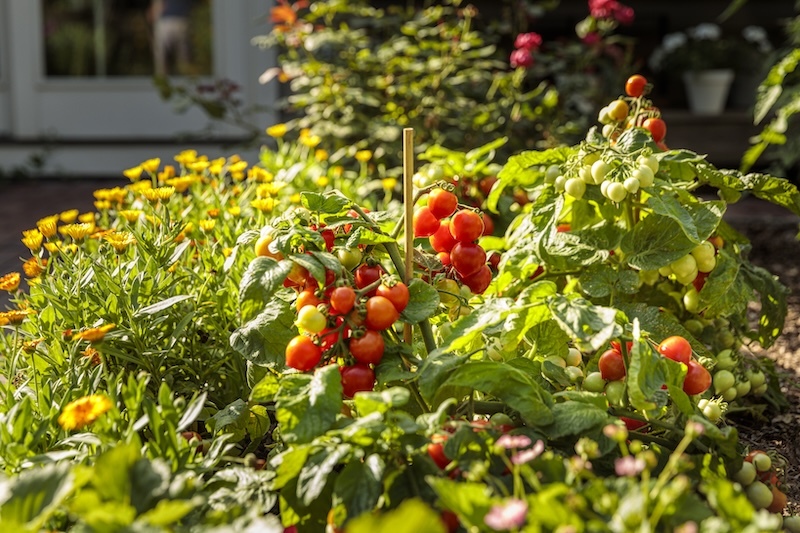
(611, 9)
(525, 44)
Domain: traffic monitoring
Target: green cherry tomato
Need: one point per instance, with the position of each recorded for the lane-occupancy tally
(759, 495)
(594, 382)
(746, 474)
(349, 257)
(723, 379)
(615, 392)
(310, 319)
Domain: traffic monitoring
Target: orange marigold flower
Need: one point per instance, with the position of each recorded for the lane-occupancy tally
(15, 316)
(213, 212)
(10, 282)
(83, 411)
(94, 334)
(30, 346)
(34, 267)
(92, 354)
(32, 239)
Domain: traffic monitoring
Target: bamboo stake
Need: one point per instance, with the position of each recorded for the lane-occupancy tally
(408, 205)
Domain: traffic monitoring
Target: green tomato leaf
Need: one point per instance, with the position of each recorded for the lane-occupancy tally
(382, 401)
(307, 405)
(435, 370)
(265, 390)
(231, 414)
(30, 498)
(599, 281)
(263, 339)
(423, 302)
(263, 277)
(633, 140)
(329, 203)
(656, 241)
(364, 235)
(773, 297)
(510, 385)
(646, 375)
(576, 418)
(411, 516)
(468, 328)
(359, 485)
(289, 464)
(470, 501)
(581, 320)
(725, 292)
(318, 470)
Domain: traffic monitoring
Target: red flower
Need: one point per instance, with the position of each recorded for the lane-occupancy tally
(521, 57)
(624, 15)
(528, 41)
(591, 38)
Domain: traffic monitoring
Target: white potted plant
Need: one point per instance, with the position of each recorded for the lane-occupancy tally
(705, 60)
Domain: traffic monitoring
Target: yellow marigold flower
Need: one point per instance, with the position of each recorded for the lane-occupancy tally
(159, 193)
(117, 194)
(322, 181)
(311, 140)
(47, 225)
(76, 231)
(133, 173)
(237, 166)
(102, 205)
(86, 217)
(263, 204)
(167, 173)
(227, 251)
(32, 239)
(389, 183)
(295, 198)
(84, 411)
(139, 186)
(198, 166)
(362, 156)
(92, 354)
(15, 316)
(213, 213)
(207, 225)
(93, 334)
(120, 240)
(34, 267)
(337, 171)
(237, 175)
(305, 132)
(260, 175)
(172, 268)
(182, 183)
(186, 157)
(10, 282)
(235, 158)
(235, 211)
(30, 346)
(265, 190)
(131, 215)
(277, 131)
(215, 169)
(59, 246)
(68, 217)
(151, 165)
(321, 155)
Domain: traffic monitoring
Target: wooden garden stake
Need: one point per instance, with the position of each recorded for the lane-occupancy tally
(408, 205)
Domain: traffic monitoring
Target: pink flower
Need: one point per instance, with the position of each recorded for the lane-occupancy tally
(521, 58)
(508, 516)
(528, 41)
(628, 466)
(510, 442)
(603, 9)
(591, 38)
(526, 456)
(624, 15)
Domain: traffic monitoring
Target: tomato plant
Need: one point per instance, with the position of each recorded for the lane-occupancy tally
(425, 222)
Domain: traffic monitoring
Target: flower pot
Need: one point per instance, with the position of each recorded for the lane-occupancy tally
(707, 90)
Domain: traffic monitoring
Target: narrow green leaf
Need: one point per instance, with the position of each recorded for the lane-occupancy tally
(161, 306)
(646, 374)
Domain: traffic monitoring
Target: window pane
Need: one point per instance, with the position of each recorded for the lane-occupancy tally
(127, 37)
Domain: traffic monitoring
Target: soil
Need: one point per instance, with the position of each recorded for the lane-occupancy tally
(775, 247)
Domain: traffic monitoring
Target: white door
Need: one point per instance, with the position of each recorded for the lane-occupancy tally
(82, 75)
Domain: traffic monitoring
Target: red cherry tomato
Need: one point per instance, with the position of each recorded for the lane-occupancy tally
(442, 240)
(700, 281)
(467, 258)
(676, 348)
(397, 294)
(302, 354)
(466, 226)
(356, 378)
(635, 85)
(425, 223)
(611, 365)
(367, 275)
(442, 203)
(488, 224)
(615, 345)
(444, 258)
(368, 349)
(328, 338)
(436, 452)
(697, 380)
(657, 128)
(480, 280)
(381, 313)
(343, 299)
(632, 424)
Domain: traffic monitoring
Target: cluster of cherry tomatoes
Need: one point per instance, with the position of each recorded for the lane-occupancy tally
(612, 369)
(344, 319)
(760, 479)
(634, 110)
(452, 233)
